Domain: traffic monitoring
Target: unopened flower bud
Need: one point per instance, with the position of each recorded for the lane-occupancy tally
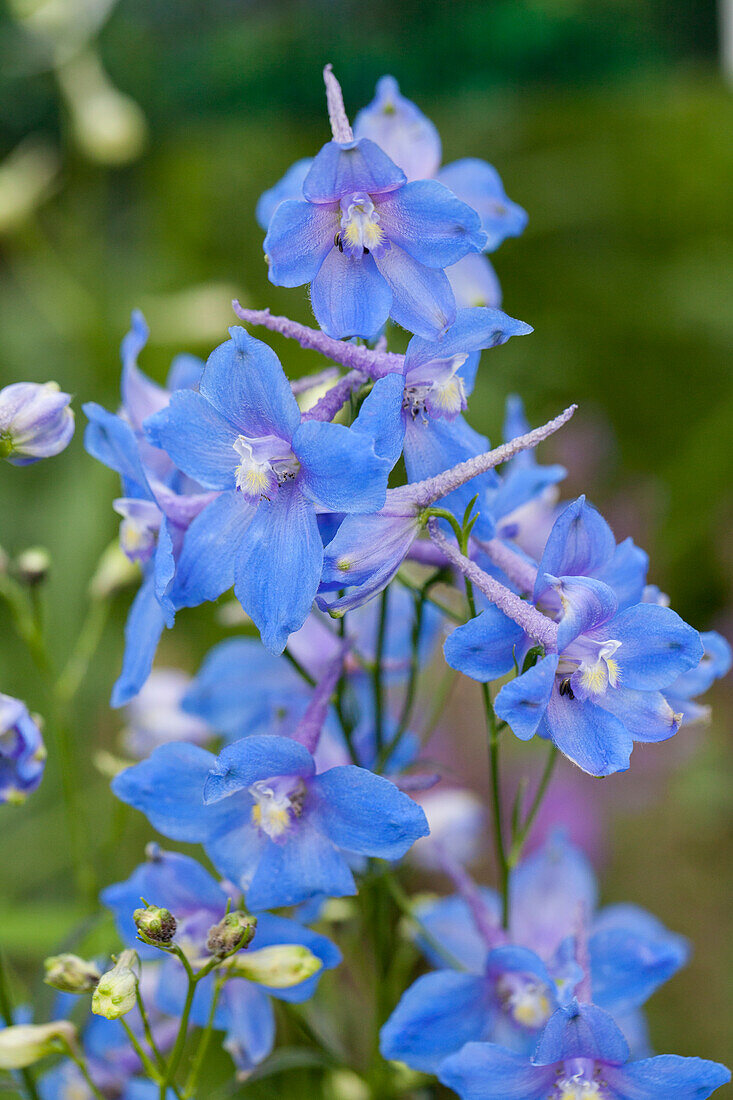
(233, 932)
(155, 926)
(22, 752)
(24, 1044)
(278, 967)
(116, 991)
(114, 572)
(32, 565)
(71, 974)
(35, 422)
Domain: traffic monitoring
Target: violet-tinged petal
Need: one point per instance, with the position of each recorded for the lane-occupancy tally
(522, 702)
(422, 300)
(474, 282)
(349, 296)
(289, 187)
(343, 169)
(35, 422)
(299, 238)
(552, 883)
(400, 128)
(587, 604)
(479, 184)
(427, 220)
(251, 759)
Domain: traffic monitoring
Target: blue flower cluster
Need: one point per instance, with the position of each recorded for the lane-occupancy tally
(294, 759)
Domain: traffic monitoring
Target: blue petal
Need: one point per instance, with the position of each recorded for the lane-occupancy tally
(647, 715)
(587, 604)
(185, 372)
(632, 954)
(112, 441)
(522, 484)
(716, 662)
(198, 439)
(451, 923)
(349, 296)
(211, 548)
(580, 544)
(547, 889)
(401, 130)
(380, 417)
(280, 566)
(523, 702)
(250, 1024)
(365, 813)
(235, 845)
(244, 381)
(168, 788)
(143, 629)
(484, 1071)
(435, 445)
(473, 330)
(422, 300)
(435, 1017)
(474, 282)
(479, 184)
(483, 648)
(251, 759)
(276, 930)
(667, 1077)
(581, 1031)
(591, 737)
(164, 567)
(289, 187)
(626, 573)
(299, 238)
(307, 863)
(340, 470)
(427, 220)
(656, 646)
(340, 170)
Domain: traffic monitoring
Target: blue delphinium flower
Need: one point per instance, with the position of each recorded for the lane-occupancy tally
(156, 716)
(581, 1055)
(603, 687)
(197, 901)
(242, 434)
(267, 820)
(509, 984)
(371, 245)
(35, 422)
(22, 752)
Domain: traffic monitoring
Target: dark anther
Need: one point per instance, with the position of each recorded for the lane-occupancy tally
(337, 242)
(366, 251)
(565, 688)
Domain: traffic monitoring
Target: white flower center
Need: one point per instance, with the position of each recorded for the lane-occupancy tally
(436, 388)
(525, 1000)
(360, 231)
(274, 808)
(266, 462)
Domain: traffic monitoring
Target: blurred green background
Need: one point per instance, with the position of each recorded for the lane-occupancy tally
(135, 139)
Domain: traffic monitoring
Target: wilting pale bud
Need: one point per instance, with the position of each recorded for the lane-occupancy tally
(24, 1044)
(116, 991)
(32, 565)
(35, 422)
(71, 974)
(279, 967)
(344, 1084)
(27, 177)
(234, 932)
(114, 572)
(108, 125)
(155, 926)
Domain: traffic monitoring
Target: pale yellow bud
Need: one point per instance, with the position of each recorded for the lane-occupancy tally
(279, 967)
(116, 992)
(24, 1044)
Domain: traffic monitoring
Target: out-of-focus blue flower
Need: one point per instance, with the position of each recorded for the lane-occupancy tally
(35, 422)
(371, 245)
(267, 820)
(401, 130)
(603, 687)
(155, 716)
(479, 184)
(22, 752)
(581, 1055)
(289, 187)
(508, 990)
(242, 434)
(197, 901)
(157, 505)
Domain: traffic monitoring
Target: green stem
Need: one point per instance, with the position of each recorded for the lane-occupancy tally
(87, 642)
(299, 668)
(416, 589)
(148, 1066)
(377, 678)
(520, 835)
(180, 1043)
(148, 1031)
(405, 905)
(198, 1059)
(6, 1011)
(81, 1065)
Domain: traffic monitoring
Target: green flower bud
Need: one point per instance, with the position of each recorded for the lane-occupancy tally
(24, 1044)
(70, 974)
(233, 932)
(32, 565)
(279, 967)
(155, 926)
(116, 992)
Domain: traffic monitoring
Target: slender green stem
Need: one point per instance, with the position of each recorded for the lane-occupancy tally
(180, 1043)
(442, 694)
(27, 628)
(520, 835)
(447, 611)
(198, 1058)
(89, 637)
(147, 1062)
(6, 1011)
(81, 1065)
(377, 675)
(299, 667)
(405, 905)
(148, 1031)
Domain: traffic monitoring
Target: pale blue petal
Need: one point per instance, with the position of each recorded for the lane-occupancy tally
(365, 813)
(299, 238)
(380, 417)
(235, 845)
(340, 469)
(647, 715)
(250, 1024)
(436, 1016)
(523, 702)
(472, 330)
(168, 788)
(716, 662)
(422, 300)
(401, 130)
(143, 629)
(273, 930)
(656, 646)
(626, 573)
(112, 442)
(198, 439)
(307, 863)
(252, 759)
(474, 282)
(211, 548)
(591, 737)
(546, 888)
(340, 170)
(349, 296)
(581, 1031)
(484, 1071)
(427, 220)
(479, 184)
(185, 372)
(580, 544)
(278, 571)
(667, 1077)
(484, 647)
(451, 924)
(289, 187)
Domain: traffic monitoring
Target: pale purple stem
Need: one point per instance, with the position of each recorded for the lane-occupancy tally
(337, 116)
(308, 730)
(519, 571)
(583, 990)
(375, 364)
(327, 406)
(310, 381)
(532, 621)
(486, 925)
(432, 489)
